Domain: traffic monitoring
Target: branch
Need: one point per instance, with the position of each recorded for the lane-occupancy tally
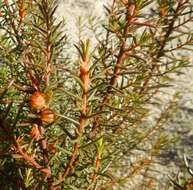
(21, 151)
(84, 76)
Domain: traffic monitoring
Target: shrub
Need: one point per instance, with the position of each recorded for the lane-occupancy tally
(78, 122)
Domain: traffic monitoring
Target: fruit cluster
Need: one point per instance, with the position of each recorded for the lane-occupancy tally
(38, 102)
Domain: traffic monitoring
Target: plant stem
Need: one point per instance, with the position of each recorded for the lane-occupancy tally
(84, 76)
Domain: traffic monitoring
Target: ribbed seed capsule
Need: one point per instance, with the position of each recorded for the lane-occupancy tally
(37, 100)
(47, 116)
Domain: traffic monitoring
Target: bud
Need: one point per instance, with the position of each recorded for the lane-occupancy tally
(131, 10)
(6, 2)
(125, 2)
(84, 75)
(163, 12)
(47, 116)
(84, 69)
(37, 100)
(22, 13)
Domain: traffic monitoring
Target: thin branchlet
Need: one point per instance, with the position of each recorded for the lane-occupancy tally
(94, 110)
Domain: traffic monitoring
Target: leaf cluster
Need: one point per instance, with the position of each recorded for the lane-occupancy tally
(101, 137)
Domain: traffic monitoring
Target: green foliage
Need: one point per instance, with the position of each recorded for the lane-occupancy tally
(97, 104)
(185, 181)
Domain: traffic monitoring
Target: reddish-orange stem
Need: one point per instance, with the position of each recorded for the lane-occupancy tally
(97, 167)
(24, 155)
(84, 76)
